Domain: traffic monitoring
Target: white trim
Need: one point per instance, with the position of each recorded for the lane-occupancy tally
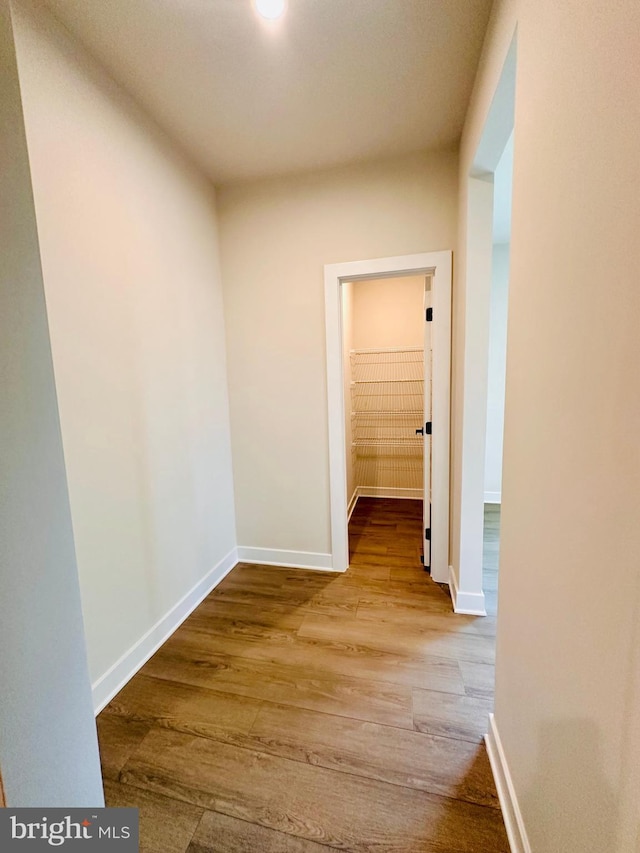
(493, 497)
(287, 559)
(440, 417)
(469, 603)
(511, 814)
(352, 503)
(438, 264)
(114, 679)
(385, 492)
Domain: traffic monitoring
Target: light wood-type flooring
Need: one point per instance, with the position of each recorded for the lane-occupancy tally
(490, 555)
(299, 711)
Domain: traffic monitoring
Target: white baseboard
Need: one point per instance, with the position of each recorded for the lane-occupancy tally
(513, 821)
(352, 504)
(384, 492)
(493, 497)
(292, 559)
(114, 679)
(470, 603)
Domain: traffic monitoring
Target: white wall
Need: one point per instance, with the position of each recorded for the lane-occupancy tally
(389, 312)
(129, 252)
(47, 759)
(275, 238)
(496, 372)
(471, 318)
(568, 646)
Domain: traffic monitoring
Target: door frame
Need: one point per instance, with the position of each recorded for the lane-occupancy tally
(438, 265)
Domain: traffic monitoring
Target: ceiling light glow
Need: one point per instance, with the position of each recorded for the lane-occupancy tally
(270, 9)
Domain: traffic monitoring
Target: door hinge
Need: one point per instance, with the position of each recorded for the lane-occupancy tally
(427, 428)
(427, 533)
(429, 315)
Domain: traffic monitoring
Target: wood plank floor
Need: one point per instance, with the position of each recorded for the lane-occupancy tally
(490, 556)
(298, 711)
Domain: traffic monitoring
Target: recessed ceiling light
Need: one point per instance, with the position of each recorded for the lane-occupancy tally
(270, 9)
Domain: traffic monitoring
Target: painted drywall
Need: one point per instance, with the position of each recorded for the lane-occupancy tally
(502, 192)
(471, 316)
(47, 759)
(129, 253)
(471, 309)
(568, 644)
(389, 312)
(275, 238)
(496, 372)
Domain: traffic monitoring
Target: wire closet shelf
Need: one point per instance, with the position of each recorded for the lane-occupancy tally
(387, 396)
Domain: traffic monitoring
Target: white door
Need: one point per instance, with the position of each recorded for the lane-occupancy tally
(428, 370)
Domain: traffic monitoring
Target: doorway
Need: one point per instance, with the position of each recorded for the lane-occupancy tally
(436, 268)
(387, 373)
(474, 579)
(496, 375)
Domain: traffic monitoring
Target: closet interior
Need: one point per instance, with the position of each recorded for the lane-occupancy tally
(384, 365)
(387, 393)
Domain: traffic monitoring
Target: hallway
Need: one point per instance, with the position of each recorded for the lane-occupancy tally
(298, 711)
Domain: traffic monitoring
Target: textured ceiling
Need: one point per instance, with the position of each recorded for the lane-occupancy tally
(333, 82)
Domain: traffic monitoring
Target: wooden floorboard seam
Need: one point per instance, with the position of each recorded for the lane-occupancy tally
(295, 711)
(352, 774)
